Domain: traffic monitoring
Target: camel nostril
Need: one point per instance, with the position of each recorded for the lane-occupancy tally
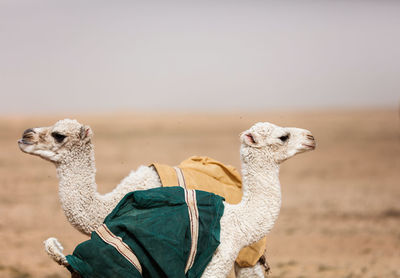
(29, 130)
(28, 133)
(310, 137)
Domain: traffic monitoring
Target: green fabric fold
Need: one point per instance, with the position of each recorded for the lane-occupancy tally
(155, 225)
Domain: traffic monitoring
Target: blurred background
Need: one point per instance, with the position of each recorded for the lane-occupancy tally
(164, 80)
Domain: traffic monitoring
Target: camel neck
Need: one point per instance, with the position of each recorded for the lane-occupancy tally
(77, 172)
(83, 206)
(261, 200)
(78, 189)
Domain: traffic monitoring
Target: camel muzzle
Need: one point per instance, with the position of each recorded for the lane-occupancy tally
(27, 137)
(310, 144)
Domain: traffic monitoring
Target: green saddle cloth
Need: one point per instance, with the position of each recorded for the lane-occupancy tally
(155, 225)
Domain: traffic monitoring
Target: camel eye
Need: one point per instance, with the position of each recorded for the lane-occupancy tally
(284, 138)
(58, 137)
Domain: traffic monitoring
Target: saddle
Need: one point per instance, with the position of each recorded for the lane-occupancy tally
(208, 174)
(156, 233)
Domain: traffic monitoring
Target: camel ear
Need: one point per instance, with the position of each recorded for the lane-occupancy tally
(250, 139)
(86, 133)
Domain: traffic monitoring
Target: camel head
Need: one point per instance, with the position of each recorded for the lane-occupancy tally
(277, 143)
(56, 142)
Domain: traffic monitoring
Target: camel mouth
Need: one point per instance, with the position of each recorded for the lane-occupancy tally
(25, 146)
(309, 147)
(24, 142)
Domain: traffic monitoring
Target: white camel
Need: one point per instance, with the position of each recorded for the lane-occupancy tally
(264, 146)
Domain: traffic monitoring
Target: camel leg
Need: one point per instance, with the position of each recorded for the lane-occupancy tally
(54, 249)
(256, 271)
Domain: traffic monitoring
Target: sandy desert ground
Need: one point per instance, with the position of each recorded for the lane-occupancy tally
(340, 215)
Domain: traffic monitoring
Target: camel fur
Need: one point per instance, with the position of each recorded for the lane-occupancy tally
(264, 147)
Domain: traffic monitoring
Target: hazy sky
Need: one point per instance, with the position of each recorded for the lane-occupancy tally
(92, 56)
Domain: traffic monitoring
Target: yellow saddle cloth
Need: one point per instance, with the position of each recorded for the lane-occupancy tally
(207, 174)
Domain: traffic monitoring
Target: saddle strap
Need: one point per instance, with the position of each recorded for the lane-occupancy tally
(108, 237)
(190, 199)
